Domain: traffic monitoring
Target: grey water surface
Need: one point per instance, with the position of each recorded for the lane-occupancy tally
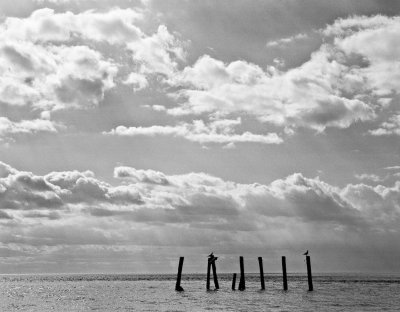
(123, 292)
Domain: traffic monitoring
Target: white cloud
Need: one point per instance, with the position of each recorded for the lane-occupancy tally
(46, 58)
(137, 81)
(392, 168)
(158, 53)
(347, 80)
(52, 61)
(369, 177)
(286, 40)
(382, 55)
(376, 40)
(390, 127)
(343, 27)
(308, 96)
(10, 128)
(44, 25)
(155, 53)
(142, 176)
(379, 203)
(148, 207)
(55, 77)
(218, 131)
(57, 190)
(153, 194)
(55, 1)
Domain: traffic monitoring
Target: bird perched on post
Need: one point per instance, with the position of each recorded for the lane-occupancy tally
(211, 257)
(306, 253)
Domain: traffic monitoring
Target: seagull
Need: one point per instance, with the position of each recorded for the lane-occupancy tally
(306, 253)
(211, 255)
(213, 259)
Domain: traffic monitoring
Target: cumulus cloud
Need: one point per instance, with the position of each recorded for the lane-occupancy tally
(142, 176)
(307, 96)
(4, 215)
(53, 77)
(347, 80)
(379, 202)
(155, 53)
(38, 78)
(390, 127)
(45, 25)
(44, 65)
(21, 190)
(137, 81)
(296, 195)
(188, 194)
(286, 40)
(9, 128)
(219, 131)
(392, 168)
(369, 177)
(158, 53)
(149, 207)
(54, 61)
(55, 1)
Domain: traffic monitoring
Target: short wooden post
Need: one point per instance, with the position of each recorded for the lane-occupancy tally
(260, 264)
(285, 287)
(309, 275)
(215, 274)
(178, 286)
(208, 274)
(234, 281)
(242, 283)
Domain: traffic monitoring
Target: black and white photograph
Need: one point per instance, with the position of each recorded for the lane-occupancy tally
(199, 155)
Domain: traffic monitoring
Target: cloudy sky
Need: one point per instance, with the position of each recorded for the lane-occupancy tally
(133, 132)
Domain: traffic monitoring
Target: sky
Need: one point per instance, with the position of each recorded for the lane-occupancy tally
(135, 132)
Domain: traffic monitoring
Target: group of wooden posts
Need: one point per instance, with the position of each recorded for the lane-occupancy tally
(242, 283)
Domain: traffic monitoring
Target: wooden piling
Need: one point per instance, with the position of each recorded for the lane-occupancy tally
(242, 283)
(208, 274)
(234, 281)
(309, 275)
(260, 264)
(178, 286)
(215, 274)
(284, 274)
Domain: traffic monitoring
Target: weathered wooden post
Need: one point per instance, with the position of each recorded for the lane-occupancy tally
(208, 274)
(178, 286)
(242, 283)
(309, 275)
(234, 281)
(215, 274)
(260, 263)
(285, 287)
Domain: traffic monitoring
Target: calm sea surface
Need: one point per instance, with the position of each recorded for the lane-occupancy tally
(101, 292)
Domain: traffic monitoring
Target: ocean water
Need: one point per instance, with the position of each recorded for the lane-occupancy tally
(102, 292)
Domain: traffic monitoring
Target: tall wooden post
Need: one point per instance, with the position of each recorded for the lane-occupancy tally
(215, 274)
(178, 286)
(309, 275)
(260, 264)
(208, 274)
(285, 287)
(234, 281)
(242, 283)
